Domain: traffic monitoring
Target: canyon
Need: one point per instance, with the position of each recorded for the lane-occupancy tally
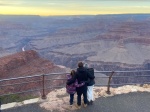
(117, 40)
(105, 42)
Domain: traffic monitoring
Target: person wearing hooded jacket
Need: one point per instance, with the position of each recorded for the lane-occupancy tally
(90, 85)
(81, 75)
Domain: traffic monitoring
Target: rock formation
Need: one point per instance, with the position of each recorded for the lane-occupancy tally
(26, 63)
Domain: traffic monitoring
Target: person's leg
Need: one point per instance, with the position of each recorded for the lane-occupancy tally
(88, 95)
(71, 98)
(92, 95)
(0, 104)
(79, 98)
(85, 95)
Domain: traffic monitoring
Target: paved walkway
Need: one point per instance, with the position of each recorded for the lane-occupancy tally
(132, 102)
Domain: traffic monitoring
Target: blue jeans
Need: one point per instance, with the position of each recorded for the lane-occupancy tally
(71, 98)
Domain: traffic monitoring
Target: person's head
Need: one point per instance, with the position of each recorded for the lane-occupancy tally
(72, 73)
(86, 65)
(80, 64)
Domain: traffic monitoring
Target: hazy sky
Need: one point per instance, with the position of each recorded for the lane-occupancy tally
(73, 7)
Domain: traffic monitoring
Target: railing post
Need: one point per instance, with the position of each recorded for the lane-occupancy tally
(0, 104)
(108, 86)
(43, 86)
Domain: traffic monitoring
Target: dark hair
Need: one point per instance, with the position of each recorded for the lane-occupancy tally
(72, 73)
(80, 64)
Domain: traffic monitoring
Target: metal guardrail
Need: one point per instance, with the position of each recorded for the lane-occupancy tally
(43, 80)
(0, 105)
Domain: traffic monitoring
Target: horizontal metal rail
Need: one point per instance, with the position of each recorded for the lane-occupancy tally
(43, 80)
(62, 73)
(20, 83)
(20, 78)
(132, 71)
(112, 73)
(129, 84)
(68, 73)
(102, 76)
(131, 76)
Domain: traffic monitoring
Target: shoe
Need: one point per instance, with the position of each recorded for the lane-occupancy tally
(88, 103)
(71, 105)
(84, 105)
(91, 102)
(78, 106)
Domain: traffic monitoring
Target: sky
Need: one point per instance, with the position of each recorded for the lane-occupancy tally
(73, 7)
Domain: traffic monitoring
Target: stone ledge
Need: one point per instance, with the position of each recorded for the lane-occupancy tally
(9, 105)
(31, 101)
(16, 104)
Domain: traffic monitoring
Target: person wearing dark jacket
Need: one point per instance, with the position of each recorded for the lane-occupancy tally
(90, 85)
(82, 76)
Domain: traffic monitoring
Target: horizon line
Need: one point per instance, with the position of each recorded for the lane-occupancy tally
(73, 15)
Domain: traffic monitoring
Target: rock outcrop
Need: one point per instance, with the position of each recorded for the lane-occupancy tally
(26, 63)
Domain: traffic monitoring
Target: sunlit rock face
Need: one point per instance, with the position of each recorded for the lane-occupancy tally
(27, 63)
(24, 64)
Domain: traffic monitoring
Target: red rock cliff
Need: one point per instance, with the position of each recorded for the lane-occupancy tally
(25, 63)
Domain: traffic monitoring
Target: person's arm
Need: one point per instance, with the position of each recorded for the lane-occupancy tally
(90, 75)
(71, 80)
(79, 85)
